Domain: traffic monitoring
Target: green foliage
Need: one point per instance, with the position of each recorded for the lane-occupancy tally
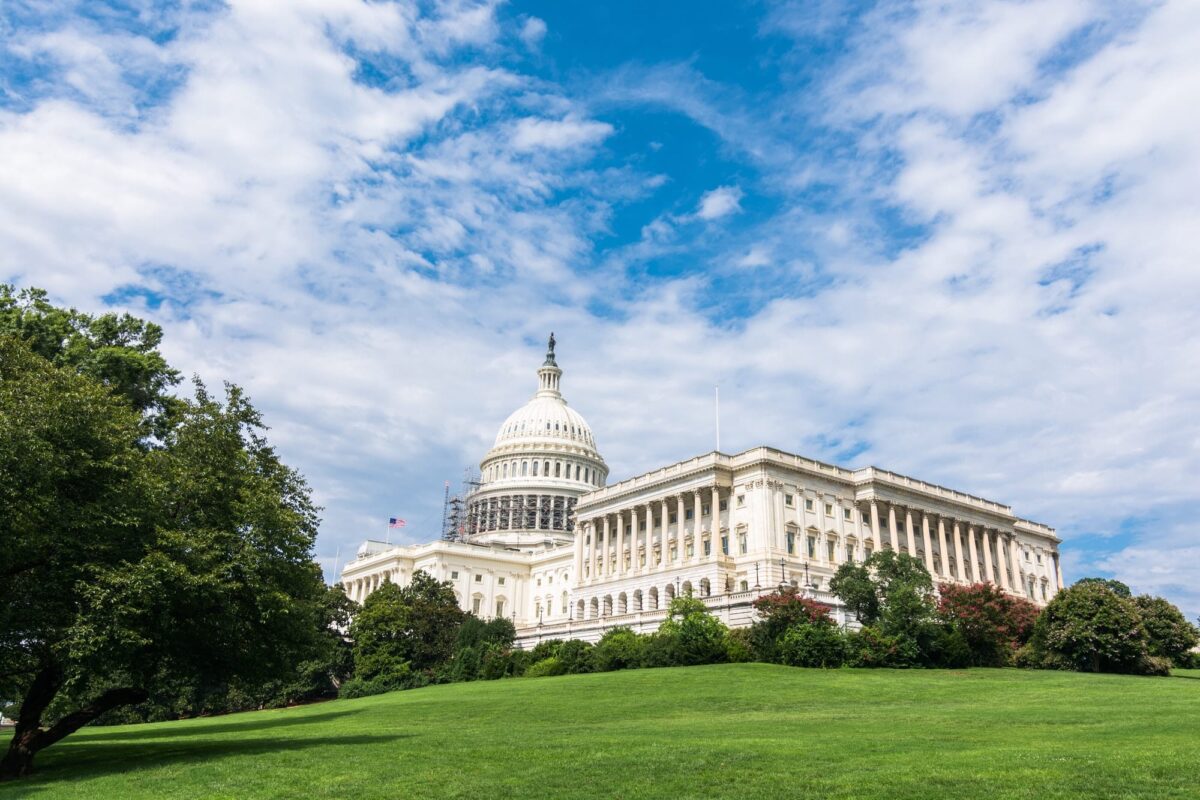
(1169, 634)
(812, 645)
(739, 649)
(1114, 586)
(130, 572)
(991, 622)
(118, 351)
(1090, 627)
(618, 648)
(545, 668)
(778, 613)
(689, 635)
(871, 647)
(410, 629)
(892, 595)
(576, 657)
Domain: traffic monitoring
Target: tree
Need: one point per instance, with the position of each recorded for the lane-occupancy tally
(1169, 634)
(131, 569)
(894, 592)
(992, 622)
(405, 629)
(695, 636)
(778, 613)
(618, 648)
(1090, 627)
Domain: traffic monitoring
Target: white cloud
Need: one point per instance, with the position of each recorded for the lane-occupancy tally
(551, 134)
(720, 202)
(532, 32)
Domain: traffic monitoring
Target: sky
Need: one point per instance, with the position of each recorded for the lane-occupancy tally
(953, 240)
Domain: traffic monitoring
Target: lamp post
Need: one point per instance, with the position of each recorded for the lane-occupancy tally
(757, 585)
(782, 574)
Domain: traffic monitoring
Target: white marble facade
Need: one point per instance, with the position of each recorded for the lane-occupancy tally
(565, 555)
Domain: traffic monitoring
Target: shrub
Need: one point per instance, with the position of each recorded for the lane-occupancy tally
(392, 681)
(699, 637)
(619, 648)
(545, 668)
(575, 656)
(1089, 627)
(871, 647)
(991, 622)
(1169, 634)
(812, 646)
(738, 646)
(778, 612)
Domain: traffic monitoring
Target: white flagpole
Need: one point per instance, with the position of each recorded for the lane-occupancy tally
(336, 560)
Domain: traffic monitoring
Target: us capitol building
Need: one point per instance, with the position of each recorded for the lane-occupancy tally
(553, 545)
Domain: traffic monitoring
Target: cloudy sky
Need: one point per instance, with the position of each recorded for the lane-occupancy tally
(955, 240)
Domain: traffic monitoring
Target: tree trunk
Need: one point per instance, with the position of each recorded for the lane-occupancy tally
(29, 737)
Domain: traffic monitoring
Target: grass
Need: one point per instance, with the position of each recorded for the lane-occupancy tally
(745, 731)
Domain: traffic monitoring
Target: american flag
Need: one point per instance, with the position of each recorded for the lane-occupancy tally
(395, 522)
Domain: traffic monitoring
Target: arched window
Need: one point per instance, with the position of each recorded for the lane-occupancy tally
(535, 469)
(524, 468)
(564, 602)
(546, 470)
(576, 472)
(558, 469)
(653, 595)
(705, 587)
(506, 470)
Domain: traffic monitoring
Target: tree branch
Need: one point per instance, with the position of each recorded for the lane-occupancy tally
(77, 719)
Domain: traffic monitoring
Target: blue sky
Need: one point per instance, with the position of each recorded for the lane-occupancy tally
(952, 240)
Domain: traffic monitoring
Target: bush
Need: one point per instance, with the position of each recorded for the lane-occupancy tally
(619, 648)
(871, 647)
(778, 612)
(738, 646)
(1089, 627)
(949, 649)
(391, 681)
(697, 637)
(545, 668)
(812, 646)
(1169, 633)
(576, 657)
(989, 621)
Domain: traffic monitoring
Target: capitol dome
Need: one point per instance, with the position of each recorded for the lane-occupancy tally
(544, 457)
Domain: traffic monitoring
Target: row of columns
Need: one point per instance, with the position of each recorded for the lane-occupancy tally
(487, 513)
(978, 565)
(605, 555)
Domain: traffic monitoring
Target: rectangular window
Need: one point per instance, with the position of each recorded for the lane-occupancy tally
(832, 545)
(1039, 558)
(707, 547)
(808, 504)
(791, 543)
(479, 579)
(539, 583)
(704, 510)
(845, 513)
(454, 575)
(725, 545)
(742, 543)
(829, 509)
(688, 514)
(787, 499)
(812, 547)
(866, 551)
(672, 518)
(724, 505)
(741, 500)
(499, 608)
(691, 550)
(501, 581)
(475, 605)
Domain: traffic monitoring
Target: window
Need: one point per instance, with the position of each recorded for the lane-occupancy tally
(539, 582)
(742, 544)
(725, 545)
(866, 551)
(499, 608)
(787, 499)
(546, 468)
(479, 579)
(845, 513)
(524, 468)
(829, 509)
(745, 586)
(832, 549)
(724, 506)
(691, 550)
(642, 525)
(549, 579)
(704, 510)
(475, 604)
(812, 547)
(741, 500)
(791, 543)
(454, 575)
(707, 547)
(501, 581)
(808, 504)
(688, 514)
(1039, 558)
(535, 468)
(558, 469)
(673, 519)
(576, 472)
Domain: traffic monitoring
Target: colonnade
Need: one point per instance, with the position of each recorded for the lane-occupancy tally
(518, 512)
(357, 589)
(642, 538)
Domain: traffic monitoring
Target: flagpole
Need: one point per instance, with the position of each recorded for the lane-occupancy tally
(717, 413)
(336, 558)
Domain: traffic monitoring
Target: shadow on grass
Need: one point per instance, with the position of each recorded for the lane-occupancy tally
(84, 759)
(236, 723)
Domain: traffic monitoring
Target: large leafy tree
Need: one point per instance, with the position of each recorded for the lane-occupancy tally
(146, 542)
(399, 630)
(1169, 634)
(893, 594)
(1091, 626)
(993, 622)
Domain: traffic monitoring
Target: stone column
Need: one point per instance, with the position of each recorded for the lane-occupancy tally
(893, 536)
(928, 545)
(714, 534)
(908, 530)
(1002, 563)
(620, 544)
(1058, 578)
(604, 564)
(943, 555)
(1014, 557)
(988, 572)
(666, 519)
(875, 541)
(678, 530)
(974, 552)
(858, 530)
(633, 545)
(958, 555)
(697, 529)
(579, 537)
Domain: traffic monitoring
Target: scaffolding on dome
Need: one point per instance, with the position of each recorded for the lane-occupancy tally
(458, 515)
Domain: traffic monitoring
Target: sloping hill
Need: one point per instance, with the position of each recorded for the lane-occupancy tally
(745, 731)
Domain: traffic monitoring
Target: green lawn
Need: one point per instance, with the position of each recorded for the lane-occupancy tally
(743, 731)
